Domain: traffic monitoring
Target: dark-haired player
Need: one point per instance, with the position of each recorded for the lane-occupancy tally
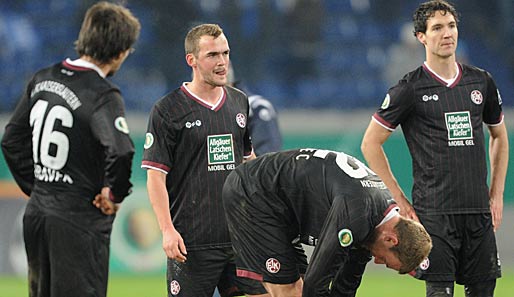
(196, 136)
(327, 199)
(442, 106)
(68, 147)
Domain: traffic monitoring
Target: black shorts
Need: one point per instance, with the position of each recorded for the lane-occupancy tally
(261, 237)
(67, 256)
(464, 249)
(206, 270)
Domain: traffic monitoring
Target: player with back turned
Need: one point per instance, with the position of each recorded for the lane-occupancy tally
(68, 148)
(442, 107)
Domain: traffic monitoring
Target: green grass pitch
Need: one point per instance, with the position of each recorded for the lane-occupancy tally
(384, 284)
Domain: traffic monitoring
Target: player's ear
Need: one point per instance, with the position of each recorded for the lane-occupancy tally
(391, 239)
(421, 37)
(191, 60)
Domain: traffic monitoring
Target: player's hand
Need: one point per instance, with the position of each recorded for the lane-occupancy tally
(174, 246)
(496, 212)
(406, 208)
(105, 204)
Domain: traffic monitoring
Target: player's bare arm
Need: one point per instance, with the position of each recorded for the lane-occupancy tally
(373, 151)
(499, 156)
(172, 242)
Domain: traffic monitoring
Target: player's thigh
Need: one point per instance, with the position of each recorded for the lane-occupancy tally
(443, 260)
(267, 250)
(232, 285)
(36, 248)
(199, 275)
(479, 255)
(79, 258)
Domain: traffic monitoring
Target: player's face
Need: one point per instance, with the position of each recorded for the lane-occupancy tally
(213, 60)
(384, 255)
(441, 36)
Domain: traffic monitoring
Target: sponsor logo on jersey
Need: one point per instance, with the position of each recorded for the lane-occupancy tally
(67, 72)
(426, 98)
(385, 103)
(196, 123)
(425, 264)
(174, 287)
(121, 124)
(345, 237)
(476, 97)
(148, 140)
(272, 265)
(460, 129)
(241, 120)
(220, 150)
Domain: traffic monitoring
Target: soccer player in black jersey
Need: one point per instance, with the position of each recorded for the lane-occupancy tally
(441, 107)
(68, 148)
(328, 199)
(197, 135)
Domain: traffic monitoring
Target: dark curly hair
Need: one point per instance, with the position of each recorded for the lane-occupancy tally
(427, 10)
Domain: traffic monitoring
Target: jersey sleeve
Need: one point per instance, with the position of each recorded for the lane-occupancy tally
(109, 126)
(159, 142)
(17, 146)
(492, 114)
(397, 104)
(337, 259)
(349, 276)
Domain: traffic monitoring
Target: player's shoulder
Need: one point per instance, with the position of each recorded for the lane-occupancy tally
(471, 70)
(413, 76)
(257, 101)
(235, 92)
(170, 99)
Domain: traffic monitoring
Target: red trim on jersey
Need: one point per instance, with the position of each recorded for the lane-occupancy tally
(379, 119)
(222, 101)
(390, 208)
(457, 80)
(209, 106)
(249, 274)
(498, 121)
(76, 68)
(151, 164)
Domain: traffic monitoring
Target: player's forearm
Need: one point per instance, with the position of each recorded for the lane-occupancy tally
(158, 195)
(377, 161)
(499, 159)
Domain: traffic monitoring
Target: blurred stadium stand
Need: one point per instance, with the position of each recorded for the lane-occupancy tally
(348, 54)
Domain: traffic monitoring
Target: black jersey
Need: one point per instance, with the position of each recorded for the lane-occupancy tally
(443, 127)
(68, 135)
(197, 146)
(330, 199)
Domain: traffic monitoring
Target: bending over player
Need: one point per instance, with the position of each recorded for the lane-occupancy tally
(332, 201)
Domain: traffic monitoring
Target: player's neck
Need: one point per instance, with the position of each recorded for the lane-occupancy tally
(207, 92)
(444, 67)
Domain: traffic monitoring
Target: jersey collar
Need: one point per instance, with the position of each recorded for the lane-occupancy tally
(393, 212)
(448, 82)
(85, 64)
(195, 97)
